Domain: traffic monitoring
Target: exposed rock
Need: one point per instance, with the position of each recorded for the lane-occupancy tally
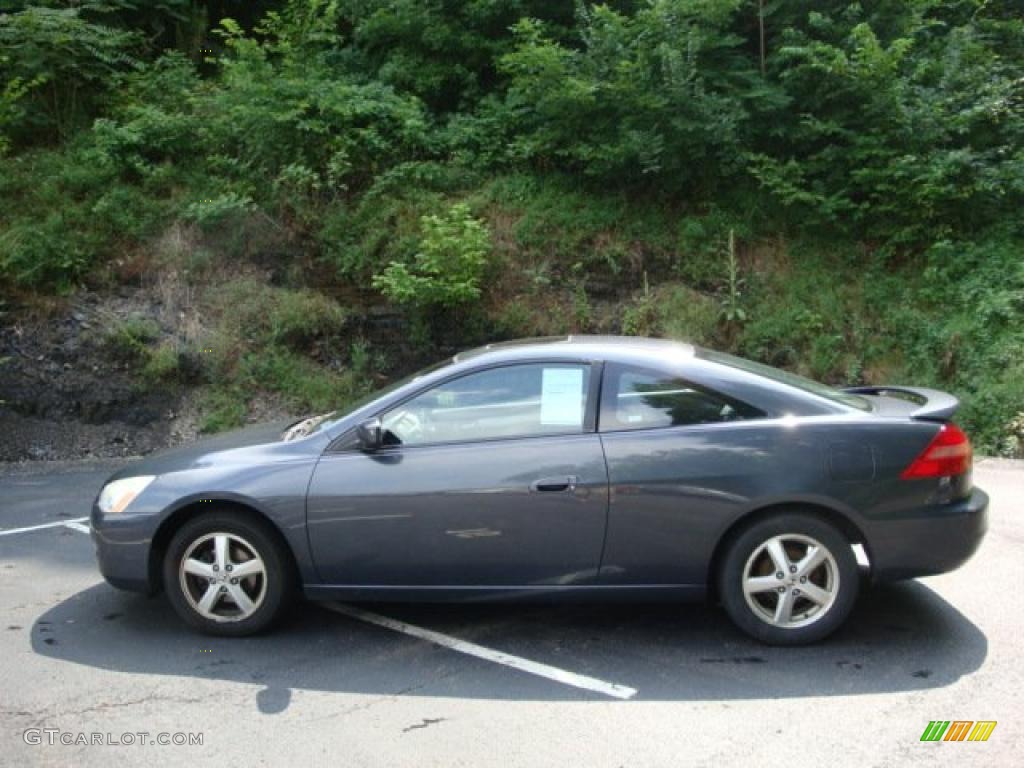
(62, 395)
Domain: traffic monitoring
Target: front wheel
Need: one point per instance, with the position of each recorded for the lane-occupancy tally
(789, 579)
(225, 574)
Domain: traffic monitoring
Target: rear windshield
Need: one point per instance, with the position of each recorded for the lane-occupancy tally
(789, 379)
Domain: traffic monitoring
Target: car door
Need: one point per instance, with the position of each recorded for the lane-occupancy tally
(682, 459)
(493, 478)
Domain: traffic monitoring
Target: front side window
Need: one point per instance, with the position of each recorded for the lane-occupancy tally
(511, 401)
(643, 398)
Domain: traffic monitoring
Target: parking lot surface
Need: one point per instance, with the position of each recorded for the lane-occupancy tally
(509, 685)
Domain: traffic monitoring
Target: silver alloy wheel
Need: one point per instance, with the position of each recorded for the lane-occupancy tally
(223, 577)
(791, 581)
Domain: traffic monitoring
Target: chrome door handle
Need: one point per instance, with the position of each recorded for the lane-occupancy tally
(555, 484)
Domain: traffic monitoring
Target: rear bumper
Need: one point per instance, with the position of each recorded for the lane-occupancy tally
(933, 540)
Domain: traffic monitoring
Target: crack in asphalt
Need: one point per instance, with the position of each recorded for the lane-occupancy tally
(382, 699)
(426, 722)
(50, 715)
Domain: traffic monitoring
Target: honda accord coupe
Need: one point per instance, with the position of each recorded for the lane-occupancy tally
(563, 468)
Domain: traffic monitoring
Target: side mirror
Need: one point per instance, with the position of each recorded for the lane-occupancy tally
(370, 434)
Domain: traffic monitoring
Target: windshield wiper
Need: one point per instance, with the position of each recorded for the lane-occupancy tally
(305, 427)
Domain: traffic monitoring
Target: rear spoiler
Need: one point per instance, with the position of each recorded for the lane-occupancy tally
(935, 405)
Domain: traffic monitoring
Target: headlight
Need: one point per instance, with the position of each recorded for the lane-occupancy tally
(116, 496)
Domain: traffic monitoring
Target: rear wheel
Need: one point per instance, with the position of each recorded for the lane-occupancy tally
(789, 579)
(225, 574)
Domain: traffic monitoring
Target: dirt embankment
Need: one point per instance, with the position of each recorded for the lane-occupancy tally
(63, 394)
(69, 392)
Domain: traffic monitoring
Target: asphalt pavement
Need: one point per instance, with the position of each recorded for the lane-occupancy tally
(532, 685)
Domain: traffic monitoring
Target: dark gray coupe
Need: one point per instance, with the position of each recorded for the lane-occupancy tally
(579, 467)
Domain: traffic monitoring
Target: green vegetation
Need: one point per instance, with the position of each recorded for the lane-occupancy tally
(834, 187)
(280, 341)
(448, 266)
(257, 338)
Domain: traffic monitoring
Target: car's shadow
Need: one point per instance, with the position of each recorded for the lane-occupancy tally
(901, 637)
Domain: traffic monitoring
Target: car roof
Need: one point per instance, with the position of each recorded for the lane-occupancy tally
(686, 359)
(578, 345)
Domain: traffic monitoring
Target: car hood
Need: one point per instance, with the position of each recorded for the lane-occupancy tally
(252, 445)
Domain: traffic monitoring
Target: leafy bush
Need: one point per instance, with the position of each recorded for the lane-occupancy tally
(447, 269)
(909, 126)
(283, 105)
(384, 224)
(77, 59)
(12, 110)
(40, 255)
(225, 206)
(1013, 441)
(646, 96)
(443, 51)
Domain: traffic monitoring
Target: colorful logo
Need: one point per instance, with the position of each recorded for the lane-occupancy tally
(958, 730)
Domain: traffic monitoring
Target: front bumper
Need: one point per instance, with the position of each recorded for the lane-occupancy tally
(931, 541)
(122, 549)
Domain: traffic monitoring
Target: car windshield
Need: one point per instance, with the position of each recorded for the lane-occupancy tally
(355, 405)
(790, 379)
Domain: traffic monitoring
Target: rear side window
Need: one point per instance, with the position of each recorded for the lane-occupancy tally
(644, 398)
(787, 378)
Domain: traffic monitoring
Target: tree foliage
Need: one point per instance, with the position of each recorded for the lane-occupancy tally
(64, 63)
(898, 122)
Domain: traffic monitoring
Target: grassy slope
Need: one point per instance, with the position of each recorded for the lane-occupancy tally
(282, 298)
(272, 316)
(269, 183)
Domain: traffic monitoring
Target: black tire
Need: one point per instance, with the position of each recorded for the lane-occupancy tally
(269, 592)
(748, 550)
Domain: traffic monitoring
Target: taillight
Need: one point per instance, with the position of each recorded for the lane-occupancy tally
(949, 453)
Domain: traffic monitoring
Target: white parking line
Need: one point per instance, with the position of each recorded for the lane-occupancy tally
(472, 649)
(76, 523)
(861, 555)
(76, 526)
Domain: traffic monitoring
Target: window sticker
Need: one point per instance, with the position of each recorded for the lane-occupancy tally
(561, 397)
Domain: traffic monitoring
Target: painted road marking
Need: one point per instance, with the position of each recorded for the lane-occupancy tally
(472, 649)
(76, 526)
(59, 524)
(861, 555)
